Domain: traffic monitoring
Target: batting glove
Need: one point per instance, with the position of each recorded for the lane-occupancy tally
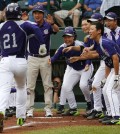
(42, 50)
(116, 81)
(103, 83)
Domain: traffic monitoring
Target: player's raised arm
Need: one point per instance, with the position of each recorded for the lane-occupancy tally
(85, 56)
(75, 48)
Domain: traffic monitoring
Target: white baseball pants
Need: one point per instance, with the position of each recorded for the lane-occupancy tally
(13, 68)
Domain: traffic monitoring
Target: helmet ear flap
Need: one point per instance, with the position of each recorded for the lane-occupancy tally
(13, 11)
(75, 34)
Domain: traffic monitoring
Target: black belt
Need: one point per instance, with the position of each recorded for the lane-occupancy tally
(17, 56)
(39, 56)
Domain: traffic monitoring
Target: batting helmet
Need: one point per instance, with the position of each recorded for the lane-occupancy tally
(13, 11)
(70, 31)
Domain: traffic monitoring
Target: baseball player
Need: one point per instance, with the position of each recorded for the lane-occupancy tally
(111, 22)
(99, 75)
(13, 38)
(109, 51)
(74, 72)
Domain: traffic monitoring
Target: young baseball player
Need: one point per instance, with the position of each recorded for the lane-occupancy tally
(108, 51)
(87, 43)
(13, 38)
(111, 23)
(99, 76)
(74, 72)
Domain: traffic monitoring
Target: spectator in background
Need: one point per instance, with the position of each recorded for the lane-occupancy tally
(33, 3)
(71, 9)
(106, 4)
(56, 90)
(3, 4)
(91, 6)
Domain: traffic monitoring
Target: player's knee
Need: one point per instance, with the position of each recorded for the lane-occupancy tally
(66, 88)
(96, 85)
(83, 86)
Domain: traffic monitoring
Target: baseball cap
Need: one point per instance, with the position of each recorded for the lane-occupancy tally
(69, 31)
(38, 8)
(95, 17)
(111, 16)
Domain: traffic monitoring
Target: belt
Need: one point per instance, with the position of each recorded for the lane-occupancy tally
(39, 56)
(17, 56)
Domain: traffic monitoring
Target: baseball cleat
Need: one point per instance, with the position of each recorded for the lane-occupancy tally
(29, 115)
(1, 122)
(105, 118)
(112, 122)
(13, 110)
(48, 112)
(71, 112)
(8, 113)
(20, 121)
(89, 107)
(95, 114)
(60, 109)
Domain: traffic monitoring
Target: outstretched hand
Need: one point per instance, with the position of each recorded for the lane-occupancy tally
(67, 49)
(73, 59)
(86, 49)
(116, 82)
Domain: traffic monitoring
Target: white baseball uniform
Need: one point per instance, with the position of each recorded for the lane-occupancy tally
(71, 77)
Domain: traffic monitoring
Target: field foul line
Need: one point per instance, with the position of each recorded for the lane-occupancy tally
(32, 123)
(47, 117)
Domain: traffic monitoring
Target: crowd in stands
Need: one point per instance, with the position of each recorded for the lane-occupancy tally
(63, 11)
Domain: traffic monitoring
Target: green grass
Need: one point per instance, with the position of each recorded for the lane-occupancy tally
(80, 130)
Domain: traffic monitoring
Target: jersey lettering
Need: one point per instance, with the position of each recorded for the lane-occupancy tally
(7, 38)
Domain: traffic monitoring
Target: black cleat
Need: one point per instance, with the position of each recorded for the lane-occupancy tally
(60, 109)
(71, 112)
(95, 114)
(105, 118)
(8, 113)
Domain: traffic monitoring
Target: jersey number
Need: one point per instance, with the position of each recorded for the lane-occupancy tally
(8, 38)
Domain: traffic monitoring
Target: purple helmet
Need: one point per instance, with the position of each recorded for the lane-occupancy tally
(13, 11)
(70, 31)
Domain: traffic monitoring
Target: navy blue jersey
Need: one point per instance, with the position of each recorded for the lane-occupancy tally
(79, 65)
(106, 49)
(13, 37)
(46, 31)
(88, 42)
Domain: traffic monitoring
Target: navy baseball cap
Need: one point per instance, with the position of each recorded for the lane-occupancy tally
(69, 31)
(95, 17)
(38, 8)
(111, 16)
